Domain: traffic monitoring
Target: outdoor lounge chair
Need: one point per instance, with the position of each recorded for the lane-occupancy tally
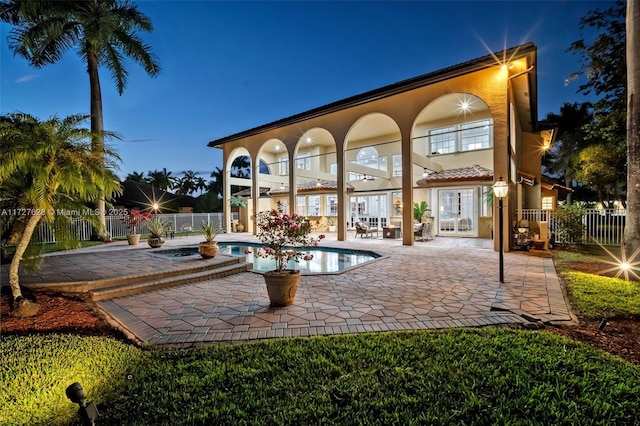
(363, 230)
(423, 231)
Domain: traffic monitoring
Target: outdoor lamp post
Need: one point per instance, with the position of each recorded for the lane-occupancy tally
(500, 189)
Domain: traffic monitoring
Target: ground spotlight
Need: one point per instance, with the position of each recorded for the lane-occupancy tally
(88, 411)
(603, 324)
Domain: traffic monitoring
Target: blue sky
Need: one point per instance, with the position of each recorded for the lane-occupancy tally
(230, 66)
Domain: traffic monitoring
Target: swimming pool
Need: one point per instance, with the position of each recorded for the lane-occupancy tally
(326, 260)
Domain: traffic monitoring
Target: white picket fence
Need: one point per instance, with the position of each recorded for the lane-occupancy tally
(117, 228)
(604, 226)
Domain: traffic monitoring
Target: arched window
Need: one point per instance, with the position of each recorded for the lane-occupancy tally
(368, 157)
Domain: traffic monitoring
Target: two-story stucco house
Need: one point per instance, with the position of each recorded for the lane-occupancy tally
(444, 137)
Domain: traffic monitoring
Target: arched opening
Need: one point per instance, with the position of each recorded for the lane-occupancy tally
(455, 130)
(273, 175)
(239, 189)
(315, 171)
(373, 168)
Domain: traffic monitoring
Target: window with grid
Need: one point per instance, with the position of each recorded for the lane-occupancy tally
(475, 135)
(331, 205)
(283, 166)
(443, 141)
(397, 165)
(463, 137)
(308, 205)
(303, 161)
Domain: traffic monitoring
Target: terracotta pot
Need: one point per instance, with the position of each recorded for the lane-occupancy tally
(239, 227)
(209, 250)
(155, 242)
(282, 286)
(133, 239)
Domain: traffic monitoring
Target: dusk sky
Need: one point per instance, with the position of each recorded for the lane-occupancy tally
(231, 66)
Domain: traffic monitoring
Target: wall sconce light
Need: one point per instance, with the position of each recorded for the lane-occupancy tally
(282, 186)
(398, 205)
(425, 173)
(318, 183)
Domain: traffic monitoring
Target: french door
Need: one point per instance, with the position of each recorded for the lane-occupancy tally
(457, 212)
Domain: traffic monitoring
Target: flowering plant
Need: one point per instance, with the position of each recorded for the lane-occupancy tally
(134, 218)
(283, 235)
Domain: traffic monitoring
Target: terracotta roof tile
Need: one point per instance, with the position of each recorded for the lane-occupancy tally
(462, 174)
(312, 186)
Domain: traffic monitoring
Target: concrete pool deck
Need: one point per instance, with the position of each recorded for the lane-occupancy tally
(442, 283)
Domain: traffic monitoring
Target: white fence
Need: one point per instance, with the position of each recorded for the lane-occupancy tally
(604, 226)
(601, 226)
(117, 228)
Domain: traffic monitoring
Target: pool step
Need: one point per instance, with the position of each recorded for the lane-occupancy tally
(139, 285)
(184, 267)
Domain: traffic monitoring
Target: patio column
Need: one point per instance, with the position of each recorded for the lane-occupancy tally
(407, 187)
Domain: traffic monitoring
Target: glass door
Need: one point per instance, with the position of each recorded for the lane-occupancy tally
(457, 214)
(370, 209)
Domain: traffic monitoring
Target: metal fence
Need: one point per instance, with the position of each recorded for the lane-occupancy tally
(117, 228)
(604, 226)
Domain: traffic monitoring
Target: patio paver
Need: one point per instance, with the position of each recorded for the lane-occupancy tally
(442, 283)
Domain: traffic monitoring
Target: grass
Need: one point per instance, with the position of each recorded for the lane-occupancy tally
(489, 376)
(483, 376)
(594, 296)
(36, 370)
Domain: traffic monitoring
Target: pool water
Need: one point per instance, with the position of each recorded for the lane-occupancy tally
(326, 260)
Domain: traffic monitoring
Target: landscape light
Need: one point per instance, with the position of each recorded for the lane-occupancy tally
(87, 411)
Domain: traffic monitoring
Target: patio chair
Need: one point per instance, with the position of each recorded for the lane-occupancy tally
(363, 230)
(423, 231)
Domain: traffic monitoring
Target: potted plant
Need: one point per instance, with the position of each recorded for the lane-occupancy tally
(132, 220)
(331, 220)
(284, 238)
(209, 249)
(156, 227)
(236, 203)
(419, 210)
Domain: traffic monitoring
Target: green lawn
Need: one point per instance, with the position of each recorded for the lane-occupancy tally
(488, 376)
(595, 296)
(480, 376)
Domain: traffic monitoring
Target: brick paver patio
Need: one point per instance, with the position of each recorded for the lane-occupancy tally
(446, 282)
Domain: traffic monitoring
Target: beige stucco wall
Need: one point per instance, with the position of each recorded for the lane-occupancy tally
(404, 111)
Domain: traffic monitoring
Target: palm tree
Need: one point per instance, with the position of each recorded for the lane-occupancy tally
(50, 168)
(137, 177)
(187, 183)
(104, 33)
(200, 184)
(161, 179)
(217, 184)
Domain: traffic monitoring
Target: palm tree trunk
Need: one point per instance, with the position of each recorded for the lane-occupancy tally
(22, 307)
(97, 128)
(632, 226)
